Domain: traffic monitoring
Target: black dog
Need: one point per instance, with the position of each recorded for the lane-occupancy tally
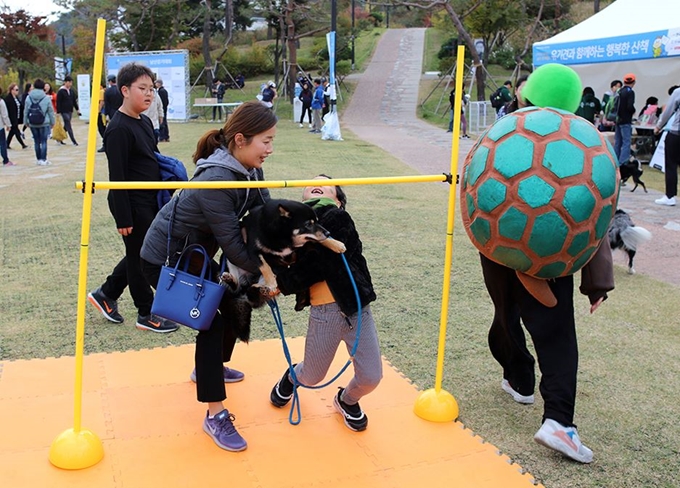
(272, 232)
(625, 235)
(632, 169)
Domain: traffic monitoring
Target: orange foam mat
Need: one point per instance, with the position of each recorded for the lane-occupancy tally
(143, 407)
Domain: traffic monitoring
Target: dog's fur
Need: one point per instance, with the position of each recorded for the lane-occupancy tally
(625, 235)
(271, 231)
(632, 169)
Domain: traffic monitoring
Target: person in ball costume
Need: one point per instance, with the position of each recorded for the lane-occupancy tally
(551, 328)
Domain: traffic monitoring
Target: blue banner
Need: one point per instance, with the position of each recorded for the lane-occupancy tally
(330, 40)
(649, 45)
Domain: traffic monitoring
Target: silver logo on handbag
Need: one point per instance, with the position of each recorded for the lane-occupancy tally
(194, 313)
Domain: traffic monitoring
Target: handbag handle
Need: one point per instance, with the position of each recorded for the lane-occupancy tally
(193, 247)
(186, 253)
(175, 200)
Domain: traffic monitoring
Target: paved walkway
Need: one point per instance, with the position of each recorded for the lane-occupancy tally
(383, 112)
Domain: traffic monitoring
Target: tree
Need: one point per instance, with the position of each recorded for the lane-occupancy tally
(27, 43)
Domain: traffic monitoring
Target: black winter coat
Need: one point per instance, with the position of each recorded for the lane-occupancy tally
(315, 264)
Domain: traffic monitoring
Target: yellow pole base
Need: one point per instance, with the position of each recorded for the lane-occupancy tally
(76, 450)
(436, 406)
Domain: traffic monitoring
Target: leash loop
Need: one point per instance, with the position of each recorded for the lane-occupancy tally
(295, 416)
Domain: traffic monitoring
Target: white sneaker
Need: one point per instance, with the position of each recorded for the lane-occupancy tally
(302, 125)
(526, 400)
(211, 121)
(40, 162)
(47, 162)
(310, 126)
(563, 439)
(664, 200)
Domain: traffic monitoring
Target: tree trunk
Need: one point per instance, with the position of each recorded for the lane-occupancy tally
(480, 74)
(596, 6)
(207, 58)
(292, 51)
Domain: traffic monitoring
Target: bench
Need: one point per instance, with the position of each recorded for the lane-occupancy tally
(206, 103)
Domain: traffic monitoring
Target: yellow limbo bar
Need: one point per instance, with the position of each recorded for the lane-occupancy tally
(159, 185)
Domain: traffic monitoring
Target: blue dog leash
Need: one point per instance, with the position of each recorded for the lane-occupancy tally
(295, 405)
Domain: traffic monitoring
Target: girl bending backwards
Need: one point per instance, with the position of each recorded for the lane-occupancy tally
(319, 278)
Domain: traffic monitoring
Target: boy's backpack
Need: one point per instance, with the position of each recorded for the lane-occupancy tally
(496, 98)
(35, 114)
(611, 111)
(452, 99)
(172, 169)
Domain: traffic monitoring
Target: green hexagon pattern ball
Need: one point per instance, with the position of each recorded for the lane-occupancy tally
(538, 191)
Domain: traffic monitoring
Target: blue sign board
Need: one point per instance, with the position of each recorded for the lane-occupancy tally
(170, 66)
(649, 45)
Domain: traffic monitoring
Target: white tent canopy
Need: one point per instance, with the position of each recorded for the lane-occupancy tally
(629, 36)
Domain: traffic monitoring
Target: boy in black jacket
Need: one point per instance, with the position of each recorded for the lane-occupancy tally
(130, 146)
(319, 278)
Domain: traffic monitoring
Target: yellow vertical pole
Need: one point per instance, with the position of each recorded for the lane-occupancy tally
(78, 448)
(437, 404)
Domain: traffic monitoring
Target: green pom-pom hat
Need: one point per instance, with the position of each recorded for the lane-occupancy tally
(554, 86)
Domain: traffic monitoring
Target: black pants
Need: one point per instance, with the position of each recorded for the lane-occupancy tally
(14, 131)
(552, 331)
(671, 163)
(217, 110)
(101, 124)
(213, 348)
(128, 271)
(66, 116)
(308, 110)
(164, 131)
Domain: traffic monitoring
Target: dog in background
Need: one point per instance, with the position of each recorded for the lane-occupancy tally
(632, 169)
(625, 235)
(272, 232)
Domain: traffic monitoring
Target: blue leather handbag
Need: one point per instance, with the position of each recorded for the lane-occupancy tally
(188, 299)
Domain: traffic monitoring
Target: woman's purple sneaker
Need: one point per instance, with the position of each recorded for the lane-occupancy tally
(230, 375)
(221, 429)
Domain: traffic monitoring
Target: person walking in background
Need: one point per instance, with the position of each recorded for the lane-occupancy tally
(101, 117)
(319, 279)
(317, 105)
(218, 90)
(40, 117)
(326, 98)
(15, 110)
(625, 110)
(66, 102)
(607, 122)
(164, 135)
(517, 101)
(590, 106)
(306, 98)
(113, 100)
(155, 113)
(53, 98)
(211, 218)
(463, 121)
(130, 149)
(672, 147)
(269, 94)
(5, 124)
(27, 89)
(501, 97)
